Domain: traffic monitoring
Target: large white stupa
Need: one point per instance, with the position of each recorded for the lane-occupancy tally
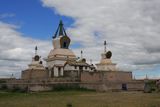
(61, 55)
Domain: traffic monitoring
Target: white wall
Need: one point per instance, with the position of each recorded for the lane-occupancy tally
(56, 43)
(109, 67)
(68, 67)
(55, 71)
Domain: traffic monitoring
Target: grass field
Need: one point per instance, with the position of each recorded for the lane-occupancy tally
(80, 99)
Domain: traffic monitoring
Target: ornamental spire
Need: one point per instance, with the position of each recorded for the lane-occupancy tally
(36, 48)
(105, 44)
(81, 54)
(60, 30)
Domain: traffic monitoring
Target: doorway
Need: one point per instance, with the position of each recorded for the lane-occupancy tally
(124, 87)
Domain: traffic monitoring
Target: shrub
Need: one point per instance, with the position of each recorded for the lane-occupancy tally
(15, 89)
(69, 105)
(18, 89)
(150, 86)
(3, 87)
(2, 81)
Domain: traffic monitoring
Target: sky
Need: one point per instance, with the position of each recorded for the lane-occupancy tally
(130, 27)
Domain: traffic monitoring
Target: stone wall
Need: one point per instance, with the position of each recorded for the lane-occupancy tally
(39, 85)
(99, 81)
(136, 85)
(51, 84)
(72, 74)
(110, 80)
(34, 74)
(114, 86)
(118, 76)
(106, 76)
(91, 77)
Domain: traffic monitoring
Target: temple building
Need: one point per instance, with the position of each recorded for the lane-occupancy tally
(61, 61)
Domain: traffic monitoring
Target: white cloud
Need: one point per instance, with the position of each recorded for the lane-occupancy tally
(131, 28)
(16, 51)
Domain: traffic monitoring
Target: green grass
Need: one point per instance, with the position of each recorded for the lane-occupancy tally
(79, 99)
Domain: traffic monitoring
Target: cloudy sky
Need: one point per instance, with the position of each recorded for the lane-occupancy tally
(130, 27)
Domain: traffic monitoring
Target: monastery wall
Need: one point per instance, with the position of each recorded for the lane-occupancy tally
(71, 74)
(91, 77)
(106, 76)
(53, 83)
(118, 76)
(114, 86)
(34, 74)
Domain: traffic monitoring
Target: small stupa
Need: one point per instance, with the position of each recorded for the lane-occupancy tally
(106, 62)
(36, 69)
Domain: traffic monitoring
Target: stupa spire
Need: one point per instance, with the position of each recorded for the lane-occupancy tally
(105, 45)
(81, 54)
(60, 30)
(36, 48)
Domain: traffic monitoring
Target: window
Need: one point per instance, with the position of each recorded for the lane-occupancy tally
(64, 45)
(81, 68)
(85, 67)
(124, 86)
(52, 72)
(75, 67)
(59, 71)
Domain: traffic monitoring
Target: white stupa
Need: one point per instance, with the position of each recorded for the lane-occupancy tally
(106, 62)
(60, 53)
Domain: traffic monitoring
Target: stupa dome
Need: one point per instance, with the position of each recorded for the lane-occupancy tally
(61, 52)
